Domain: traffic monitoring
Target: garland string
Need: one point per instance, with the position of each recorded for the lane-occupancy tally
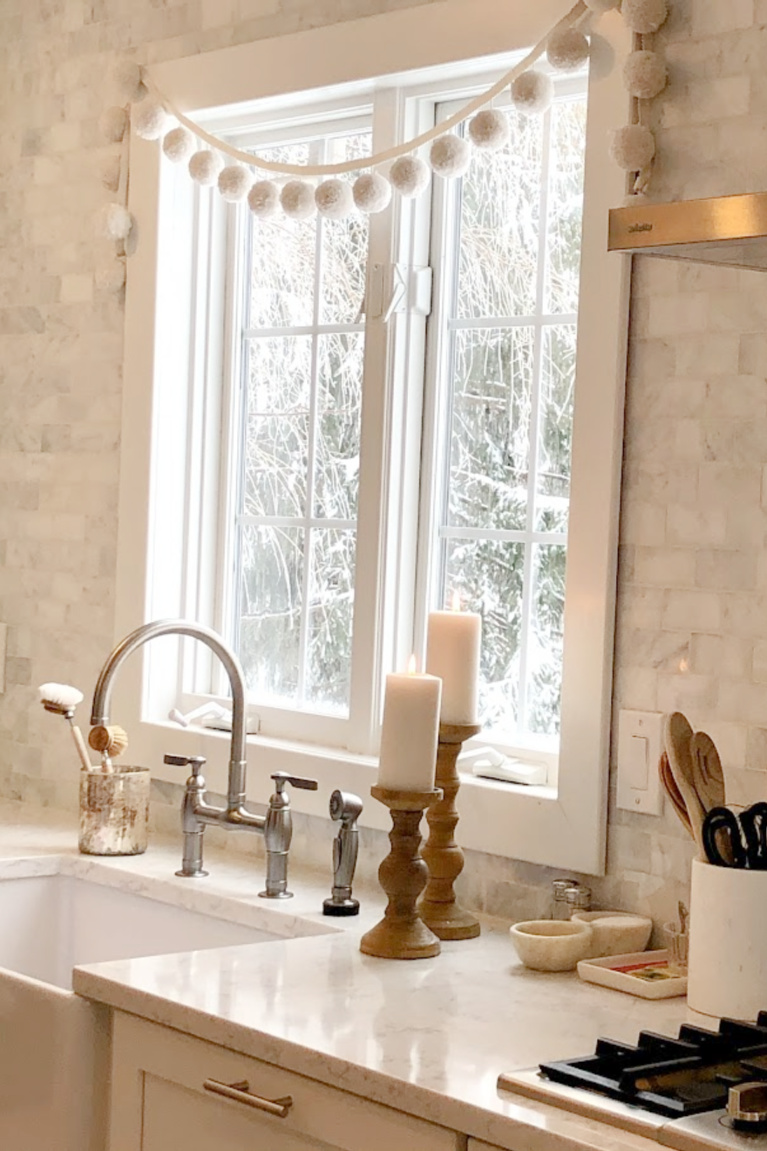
(253, 160)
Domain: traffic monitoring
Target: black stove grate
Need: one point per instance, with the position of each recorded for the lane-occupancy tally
(672, 1077)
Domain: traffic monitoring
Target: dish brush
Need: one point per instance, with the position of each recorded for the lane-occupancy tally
(110, 740)
(61, 699)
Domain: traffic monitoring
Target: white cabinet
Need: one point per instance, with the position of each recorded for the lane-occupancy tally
(165, 1096)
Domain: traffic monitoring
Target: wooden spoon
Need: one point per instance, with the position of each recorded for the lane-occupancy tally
(673, 793)
(677, 735)
(707, 771)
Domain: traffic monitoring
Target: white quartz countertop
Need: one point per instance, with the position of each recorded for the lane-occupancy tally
(428, 1036)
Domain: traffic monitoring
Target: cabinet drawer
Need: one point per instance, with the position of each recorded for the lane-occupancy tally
(152, 1063)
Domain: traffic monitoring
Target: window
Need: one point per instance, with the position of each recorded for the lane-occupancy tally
(337, 444)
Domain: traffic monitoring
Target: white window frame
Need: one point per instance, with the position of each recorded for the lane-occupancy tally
(562, 826)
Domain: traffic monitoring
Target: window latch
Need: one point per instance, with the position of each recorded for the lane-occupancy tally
(399, 288)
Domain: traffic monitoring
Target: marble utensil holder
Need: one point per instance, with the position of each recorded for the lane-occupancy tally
(114, 811)
(727, 960)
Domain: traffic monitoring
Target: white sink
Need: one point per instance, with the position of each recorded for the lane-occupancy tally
(54, 1045)
(52, 923)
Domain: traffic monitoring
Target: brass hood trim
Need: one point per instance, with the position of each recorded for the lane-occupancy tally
(726, 230)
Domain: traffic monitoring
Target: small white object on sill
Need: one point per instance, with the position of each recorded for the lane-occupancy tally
(213, 716)
(489, 763)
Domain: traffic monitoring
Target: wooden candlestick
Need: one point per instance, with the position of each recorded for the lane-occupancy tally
(401, 934)
(443, 856)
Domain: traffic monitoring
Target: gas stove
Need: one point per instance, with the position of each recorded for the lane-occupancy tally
(702, 1089)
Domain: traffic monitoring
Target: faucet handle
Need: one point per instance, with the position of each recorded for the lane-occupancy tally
(196, 762)
(281, 778)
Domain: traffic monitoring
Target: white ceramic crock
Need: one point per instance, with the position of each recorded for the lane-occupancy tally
(727, 967)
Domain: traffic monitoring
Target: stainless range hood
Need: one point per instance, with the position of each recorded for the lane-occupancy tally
(730, 231)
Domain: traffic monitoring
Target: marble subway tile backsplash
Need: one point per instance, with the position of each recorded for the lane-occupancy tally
(692, 597)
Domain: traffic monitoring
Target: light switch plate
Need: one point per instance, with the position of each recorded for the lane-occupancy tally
(640, 743)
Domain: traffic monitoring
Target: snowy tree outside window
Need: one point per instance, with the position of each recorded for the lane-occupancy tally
(506, 249)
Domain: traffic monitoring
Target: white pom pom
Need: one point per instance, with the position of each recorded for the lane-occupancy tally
(372, 193)
(109, 171)
(297, 199)
(334, 199)
(600, 6)
(234, 182)
(205, 166)
(112, 124)
(645, 75)
(150, 120)
(116, 222)
(567, 50)
(644, 16)
(264, 199)
(489, 130)
(126, 75)
(532, 92)
(450, 156)
(110, 277)
(632, 147)
(409, 175)
(178, 145)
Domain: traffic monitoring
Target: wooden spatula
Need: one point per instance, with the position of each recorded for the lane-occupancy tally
(677, 735)
(707, 771)
(673, 793)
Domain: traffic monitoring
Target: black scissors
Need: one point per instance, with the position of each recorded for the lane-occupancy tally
(731, 840)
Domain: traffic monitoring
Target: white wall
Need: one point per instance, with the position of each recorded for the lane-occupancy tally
(692, 617)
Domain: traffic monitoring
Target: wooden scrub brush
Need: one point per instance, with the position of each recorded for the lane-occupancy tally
(61, 699)
(110, 740)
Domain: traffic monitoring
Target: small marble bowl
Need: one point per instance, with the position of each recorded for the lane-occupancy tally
(551, 944)
(615, 932)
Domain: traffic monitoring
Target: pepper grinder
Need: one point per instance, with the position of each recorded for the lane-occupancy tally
(346, 808)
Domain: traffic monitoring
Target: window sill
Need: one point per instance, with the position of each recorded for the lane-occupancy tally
(494, 814)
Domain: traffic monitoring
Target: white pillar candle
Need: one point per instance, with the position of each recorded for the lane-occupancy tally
(452, 653)
(410, 732)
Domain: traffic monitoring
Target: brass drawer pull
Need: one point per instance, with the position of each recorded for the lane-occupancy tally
(241, 1093)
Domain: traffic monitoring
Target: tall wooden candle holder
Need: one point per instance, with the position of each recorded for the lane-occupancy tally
(401, 934)
(443, 856)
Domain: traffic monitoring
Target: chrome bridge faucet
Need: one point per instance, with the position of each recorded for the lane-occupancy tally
(197, 811)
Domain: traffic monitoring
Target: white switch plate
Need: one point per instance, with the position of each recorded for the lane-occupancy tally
(640, 743)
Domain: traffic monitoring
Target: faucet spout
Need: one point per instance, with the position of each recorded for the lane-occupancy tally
(238, 755)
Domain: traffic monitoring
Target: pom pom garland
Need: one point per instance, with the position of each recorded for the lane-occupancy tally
(112, 124)
(567, 50)
(372, 193)
(334, 199)
(450, 156)
(409, 175)
(127, 79)
(116, 222)
(178, 145)
(489, 130)
(633, 147)
(644, 16)
(645, 74)
(297, 200)
(150, 120)
(264, 199)
(204, 167)
(234, 182)
(532, 92)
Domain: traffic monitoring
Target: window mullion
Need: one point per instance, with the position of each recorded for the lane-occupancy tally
(535, 428)
(303, 647)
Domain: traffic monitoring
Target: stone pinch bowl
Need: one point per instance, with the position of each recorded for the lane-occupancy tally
(552, 944)
(615, 932)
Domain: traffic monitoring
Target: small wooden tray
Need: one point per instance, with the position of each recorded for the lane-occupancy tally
(642, 973)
